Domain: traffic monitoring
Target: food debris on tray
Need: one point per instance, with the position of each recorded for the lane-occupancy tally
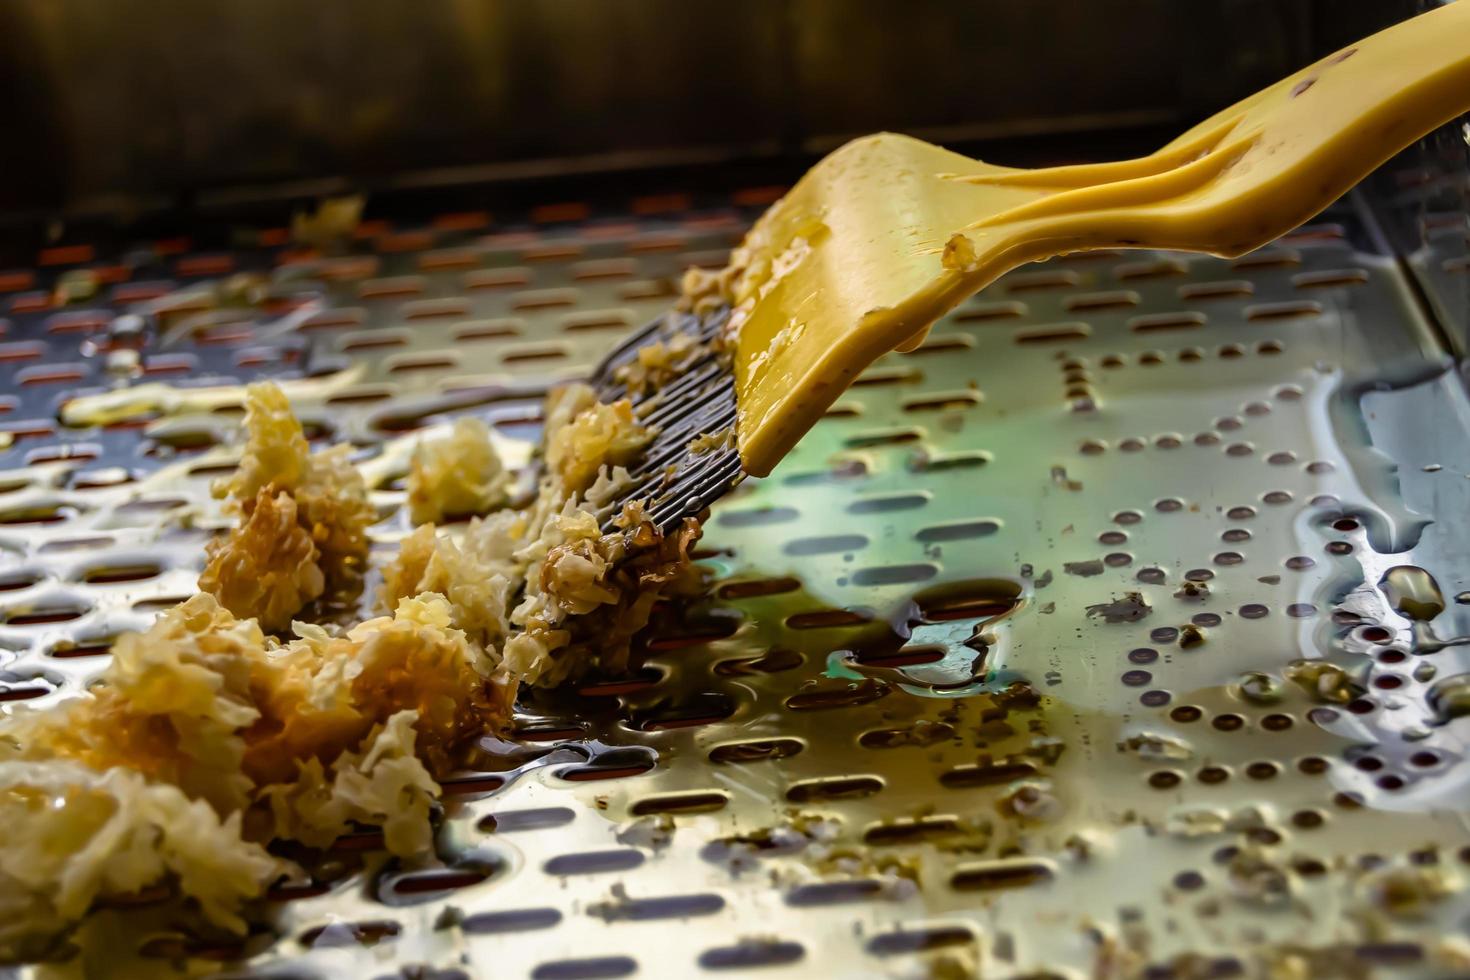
(249, 714)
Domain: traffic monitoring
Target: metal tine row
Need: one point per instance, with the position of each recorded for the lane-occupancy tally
(671, 400)
(701, 400)
(627, 350)
(714, 478)
(676, 438)
(664, 328)
(675, 450)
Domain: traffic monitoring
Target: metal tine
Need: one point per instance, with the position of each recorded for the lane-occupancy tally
(677, 409)
(694, 376)
(700, 400)
(695, 489)
(630, 344)
(676, 441)
(677, 438)
(666, 326)
(692, 500)
(692, 422)
(676, 401)
(721, 467)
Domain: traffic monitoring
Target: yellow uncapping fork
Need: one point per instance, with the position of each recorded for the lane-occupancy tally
(888, 233)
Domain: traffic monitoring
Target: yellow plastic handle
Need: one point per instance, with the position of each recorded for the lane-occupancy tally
(888, 233)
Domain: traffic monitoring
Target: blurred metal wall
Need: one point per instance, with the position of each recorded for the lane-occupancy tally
(131, 104)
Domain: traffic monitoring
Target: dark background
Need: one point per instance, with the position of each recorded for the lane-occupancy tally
(124, 108)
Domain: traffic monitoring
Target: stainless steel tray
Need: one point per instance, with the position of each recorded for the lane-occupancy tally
(991, 675)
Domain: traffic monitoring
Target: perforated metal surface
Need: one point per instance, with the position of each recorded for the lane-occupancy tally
(974, 685)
